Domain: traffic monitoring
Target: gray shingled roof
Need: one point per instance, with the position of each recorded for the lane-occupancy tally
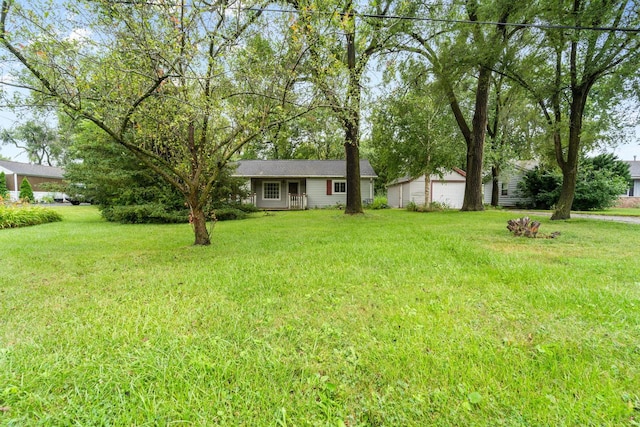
(27, 169)
(634, 168)
(299, 168)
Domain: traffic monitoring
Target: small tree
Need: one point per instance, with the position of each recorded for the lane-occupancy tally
(4, 191)
(26, 192)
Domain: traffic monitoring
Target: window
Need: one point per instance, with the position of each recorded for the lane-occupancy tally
(339, 187)
(271, 190)
(504, 189)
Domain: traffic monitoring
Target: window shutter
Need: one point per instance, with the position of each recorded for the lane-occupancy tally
(329, 187)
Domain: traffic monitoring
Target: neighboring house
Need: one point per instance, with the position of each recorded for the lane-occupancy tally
(448, 190)
(508, 184)
(634, 188)
(301, 184)
(37, 175)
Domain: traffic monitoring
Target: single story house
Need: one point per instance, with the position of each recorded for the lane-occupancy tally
(508, 183)
(37, 175)
(301, 184)
(634, 169)
(448, 190)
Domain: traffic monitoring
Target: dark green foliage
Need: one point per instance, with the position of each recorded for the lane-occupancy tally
(14, 217)
(540, 186)
(601, 180)
(227, 214)
(600, 184)
(126, 189)
(26, 192)
(110, 177)
(4, 191)
(150, 213)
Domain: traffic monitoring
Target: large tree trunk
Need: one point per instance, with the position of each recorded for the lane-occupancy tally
(352, 132)
(567, 194)
(354, 197)
(198, 221)
(475, 145)
(569, 166)
(495, 185)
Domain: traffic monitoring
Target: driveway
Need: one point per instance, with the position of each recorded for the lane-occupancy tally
(614, 218)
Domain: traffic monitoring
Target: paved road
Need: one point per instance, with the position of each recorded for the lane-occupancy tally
(625, 219)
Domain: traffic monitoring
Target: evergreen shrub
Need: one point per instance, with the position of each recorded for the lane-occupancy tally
(26, 192)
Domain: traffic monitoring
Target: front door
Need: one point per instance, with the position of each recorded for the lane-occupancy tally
(293, 187)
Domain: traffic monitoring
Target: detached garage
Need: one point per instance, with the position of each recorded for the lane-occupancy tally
(448, 190)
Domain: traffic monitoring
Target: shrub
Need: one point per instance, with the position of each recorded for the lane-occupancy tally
(600, 182)
(248, 208)
(431, 207)
(151, 213)
(541, 187)
(598, 189)
(4, 191)
(228, 214)
(14, 216)
(26, 192)
(379, 202)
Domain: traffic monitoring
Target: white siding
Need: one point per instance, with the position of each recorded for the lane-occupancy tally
(317, 192)
(448, 190)
(512, 198)
(257, 188)
(416, 191)
(636, 188)
(393, 196)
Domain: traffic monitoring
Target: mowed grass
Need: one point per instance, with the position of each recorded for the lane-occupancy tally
(317, 318)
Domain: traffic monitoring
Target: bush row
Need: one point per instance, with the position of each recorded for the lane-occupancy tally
(156, 213)
(15, 216)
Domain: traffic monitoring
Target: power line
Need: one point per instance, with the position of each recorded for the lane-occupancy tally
(461, 21)
(405, 18)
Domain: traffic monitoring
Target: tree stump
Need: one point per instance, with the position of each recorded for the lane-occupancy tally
(523, 227)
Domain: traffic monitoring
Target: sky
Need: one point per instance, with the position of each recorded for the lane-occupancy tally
(7, 119)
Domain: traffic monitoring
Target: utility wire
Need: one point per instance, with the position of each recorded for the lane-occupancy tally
(459, 21)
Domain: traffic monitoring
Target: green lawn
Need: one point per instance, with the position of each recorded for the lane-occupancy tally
(316, 318)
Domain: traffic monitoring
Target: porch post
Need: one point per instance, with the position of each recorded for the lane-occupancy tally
(15, 186)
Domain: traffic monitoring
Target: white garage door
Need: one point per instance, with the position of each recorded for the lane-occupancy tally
(448, 193)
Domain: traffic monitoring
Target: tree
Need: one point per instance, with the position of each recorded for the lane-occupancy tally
(102, 172)
(584, 47)
(4, 191)
(315, 135)
(336, 67)
(26, 192)
(459, 51)
(412, 132)
(512, 129)
(180, 86)
(38, 139)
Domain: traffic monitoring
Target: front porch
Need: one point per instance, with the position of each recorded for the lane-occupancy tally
(292, 202)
